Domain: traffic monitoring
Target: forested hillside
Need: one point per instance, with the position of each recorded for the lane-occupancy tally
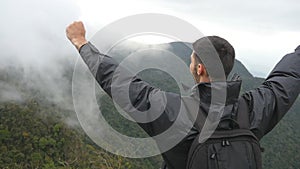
(38, 132)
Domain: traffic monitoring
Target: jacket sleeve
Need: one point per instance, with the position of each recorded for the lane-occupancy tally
(153, 109)
(272, 100)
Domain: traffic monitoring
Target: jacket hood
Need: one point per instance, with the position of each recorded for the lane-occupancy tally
(220, 99)
(231, 89)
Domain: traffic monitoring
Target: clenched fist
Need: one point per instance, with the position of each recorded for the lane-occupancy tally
(76, 34)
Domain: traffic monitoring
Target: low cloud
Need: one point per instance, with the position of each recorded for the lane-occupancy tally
(36, 58)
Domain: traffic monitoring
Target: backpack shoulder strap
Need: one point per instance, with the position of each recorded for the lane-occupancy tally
(242, 115)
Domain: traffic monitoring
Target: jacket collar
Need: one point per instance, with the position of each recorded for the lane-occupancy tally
(230, 89)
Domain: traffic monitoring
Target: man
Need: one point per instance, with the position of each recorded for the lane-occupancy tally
(264, 106)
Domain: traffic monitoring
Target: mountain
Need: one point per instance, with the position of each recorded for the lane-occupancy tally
(39, 131)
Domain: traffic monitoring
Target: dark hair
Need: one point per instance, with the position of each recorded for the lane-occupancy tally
(203, 48)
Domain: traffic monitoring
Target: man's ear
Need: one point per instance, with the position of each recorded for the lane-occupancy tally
(201, 69)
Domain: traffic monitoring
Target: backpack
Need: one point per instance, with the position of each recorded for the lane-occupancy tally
(234, 147)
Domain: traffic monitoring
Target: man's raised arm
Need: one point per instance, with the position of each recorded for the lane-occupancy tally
(272, 100)
(158, 109)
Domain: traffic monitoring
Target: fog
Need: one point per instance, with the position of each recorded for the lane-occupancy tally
(35, 54)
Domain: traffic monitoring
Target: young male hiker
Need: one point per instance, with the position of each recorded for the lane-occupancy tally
(245, 118)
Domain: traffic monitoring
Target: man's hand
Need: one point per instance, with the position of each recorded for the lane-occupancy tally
(76, 34)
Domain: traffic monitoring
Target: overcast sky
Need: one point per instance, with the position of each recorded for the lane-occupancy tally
(32, 31)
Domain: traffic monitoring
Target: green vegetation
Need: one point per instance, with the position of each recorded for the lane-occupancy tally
(29, 140)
